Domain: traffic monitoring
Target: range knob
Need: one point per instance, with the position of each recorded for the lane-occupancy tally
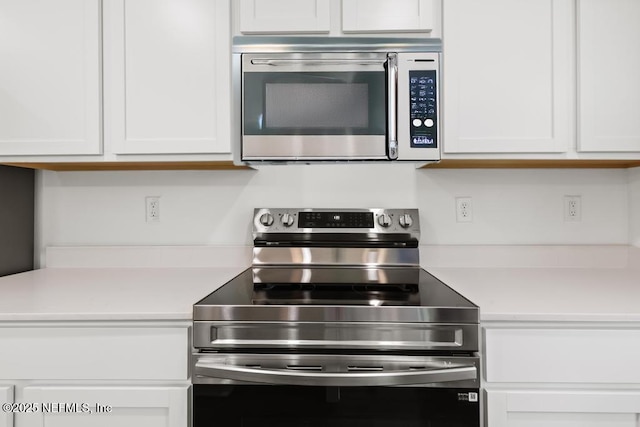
(384, 220)
(406, 221)
(287, 220)
(266, 219)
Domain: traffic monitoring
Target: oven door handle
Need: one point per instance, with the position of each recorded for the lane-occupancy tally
(337, 379)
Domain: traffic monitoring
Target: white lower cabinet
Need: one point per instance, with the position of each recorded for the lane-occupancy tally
(6, 396)
(562, 375)
(95, 374)
(563, 408)
(101, 406)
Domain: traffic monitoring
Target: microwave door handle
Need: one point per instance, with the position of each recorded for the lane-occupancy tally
(354, 379)
(392, 105)
(316, 62)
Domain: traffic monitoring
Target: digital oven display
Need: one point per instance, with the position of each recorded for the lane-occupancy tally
(335, 220)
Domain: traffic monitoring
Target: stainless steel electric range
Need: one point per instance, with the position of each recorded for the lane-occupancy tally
(335, 324)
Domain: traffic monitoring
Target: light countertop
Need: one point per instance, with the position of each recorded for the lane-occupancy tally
(548, 294)
(59, 294)
(556, 283)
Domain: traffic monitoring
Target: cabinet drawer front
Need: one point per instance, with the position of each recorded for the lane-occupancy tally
(82, 406)
(562, 355)
(100, 353)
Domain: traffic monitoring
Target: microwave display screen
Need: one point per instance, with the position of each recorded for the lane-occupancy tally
(317, 105)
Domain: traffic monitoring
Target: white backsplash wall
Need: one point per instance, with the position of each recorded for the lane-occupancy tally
(634, 206)
(215, 207)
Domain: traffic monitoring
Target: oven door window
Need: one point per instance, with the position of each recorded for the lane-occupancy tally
(314, 103)
(298, 406)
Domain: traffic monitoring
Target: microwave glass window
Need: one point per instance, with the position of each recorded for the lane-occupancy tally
(319, 103)
(316, 105)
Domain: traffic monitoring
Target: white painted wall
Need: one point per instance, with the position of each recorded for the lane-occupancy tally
(215, 207)
(634, 206)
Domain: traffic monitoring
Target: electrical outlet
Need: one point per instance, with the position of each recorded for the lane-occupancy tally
(152, 204)
(572, 208)
(464, 209)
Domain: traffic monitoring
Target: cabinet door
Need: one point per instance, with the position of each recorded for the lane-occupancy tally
(508, 76)
(6, 396)
(383, 15)
(561, 408)
(78, 353)
(50, 99)
(85, 406)
(168, 79)
(608, 70)
(284, 16)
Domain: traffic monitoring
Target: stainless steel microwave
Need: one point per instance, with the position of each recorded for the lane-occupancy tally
(313, 99)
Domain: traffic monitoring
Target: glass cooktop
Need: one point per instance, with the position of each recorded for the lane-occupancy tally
(328, 286)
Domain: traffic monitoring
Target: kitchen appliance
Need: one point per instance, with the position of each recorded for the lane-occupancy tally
(311, 99)
(335, 324)
(16, 219)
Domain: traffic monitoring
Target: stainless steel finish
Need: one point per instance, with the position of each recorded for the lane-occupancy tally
(287, 220)
(345, 275)
(313, 63)
(416, 61)
(336, 370)
(304, 62)
(356, 296)
(316, 61)
(406, 221)
(335, 335)
(272, 44)
(266, 54)
(314, 147)
(266, 219)
(392, 105)
(346, 257)
(384, 220)
(236, 109)
(412, 232)
(326, 314)
(352, 379)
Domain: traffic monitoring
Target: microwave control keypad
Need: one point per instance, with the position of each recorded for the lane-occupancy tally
(423, 109)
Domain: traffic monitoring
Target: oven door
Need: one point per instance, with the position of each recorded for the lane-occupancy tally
(335, 390)
(319, 106)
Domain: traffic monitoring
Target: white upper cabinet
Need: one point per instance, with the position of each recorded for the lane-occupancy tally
(608, 75)
(50, 86)
(508, 76)
(387, 16)
(284, 16)
(337, 17)
(167, 77)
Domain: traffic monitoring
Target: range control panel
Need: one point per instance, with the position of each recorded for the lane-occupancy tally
(335, 220)
(422, 109)
(364, 221)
